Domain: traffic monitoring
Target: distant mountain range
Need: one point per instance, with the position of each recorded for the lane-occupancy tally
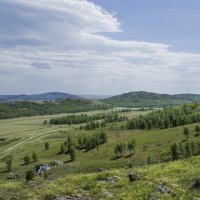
(37, 97)
(150, 99)
(95, 97)
(131, 99)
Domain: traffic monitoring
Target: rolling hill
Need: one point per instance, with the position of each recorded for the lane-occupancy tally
(100, 173)
(150, 99)
(37, 97)
(15, 109)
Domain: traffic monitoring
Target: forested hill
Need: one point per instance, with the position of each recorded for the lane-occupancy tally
(37, 97)
(149, 99)
(29, 108)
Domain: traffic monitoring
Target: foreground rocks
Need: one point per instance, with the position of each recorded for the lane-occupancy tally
(133, 176)
(196, 183)
(163, 189)
(73, 197)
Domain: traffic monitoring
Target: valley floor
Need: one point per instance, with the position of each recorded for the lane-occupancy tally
(151, 162)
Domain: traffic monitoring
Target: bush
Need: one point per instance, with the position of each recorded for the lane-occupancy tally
(26, 160)
(30, 175)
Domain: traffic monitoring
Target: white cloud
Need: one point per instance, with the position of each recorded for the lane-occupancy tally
(60, 45)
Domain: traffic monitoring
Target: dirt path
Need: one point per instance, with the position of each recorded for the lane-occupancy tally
(27, 140)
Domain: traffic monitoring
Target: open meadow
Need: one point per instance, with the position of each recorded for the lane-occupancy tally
(152, 158)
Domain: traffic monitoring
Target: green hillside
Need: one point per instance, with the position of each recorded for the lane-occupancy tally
(99, 170)
(148, 99)
(33, 108)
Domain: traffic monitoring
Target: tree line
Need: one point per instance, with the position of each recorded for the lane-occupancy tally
(120, 149)
(83, 142)
(167, 118)
(109, 118)
(26, 108)
(188, 149)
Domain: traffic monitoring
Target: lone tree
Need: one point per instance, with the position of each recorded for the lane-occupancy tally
(120, 149)
(46, 146)
(62, 148)
(175, 152)
(72, 153)
(34, 157)
(80, 142)
(30, 175)
(181, 150)
(131, 146)
(26, 159)
(9, 162)
(186, 132)
(103, 137)
(197, 129)
(188, 149)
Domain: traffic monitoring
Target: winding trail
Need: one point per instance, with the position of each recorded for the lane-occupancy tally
(27, 140)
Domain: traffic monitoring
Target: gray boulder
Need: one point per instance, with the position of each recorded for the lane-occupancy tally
(163, 189)
(133, 176)
(196, 183)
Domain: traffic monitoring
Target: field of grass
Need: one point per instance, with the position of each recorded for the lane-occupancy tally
(30, 134)
(178, 176)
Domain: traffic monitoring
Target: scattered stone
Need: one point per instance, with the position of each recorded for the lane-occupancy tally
(151, 197)
(100, 170)
(108, 194)
(111, 180)
(73, 197)
(196, 183)
(196, 199)
(163, 189)
(133, 176)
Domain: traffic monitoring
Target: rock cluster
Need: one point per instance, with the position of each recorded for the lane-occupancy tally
(196, 183)
(133, 176)
(163, 189)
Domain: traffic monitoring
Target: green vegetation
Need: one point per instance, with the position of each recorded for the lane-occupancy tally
(149, 99)
(30, 175)
(27, 159)
(34, 157)
(97, 162)
(29, 108)
(84, 118)
(9, 162)
(167, 118)
(46, 146)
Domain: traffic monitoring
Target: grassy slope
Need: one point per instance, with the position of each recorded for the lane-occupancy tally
(178, 175)
(146, 99)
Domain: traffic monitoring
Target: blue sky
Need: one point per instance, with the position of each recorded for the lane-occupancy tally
(173, 22)
(99, 46)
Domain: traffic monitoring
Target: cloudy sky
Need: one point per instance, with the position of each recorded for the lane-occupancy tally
(99, 46)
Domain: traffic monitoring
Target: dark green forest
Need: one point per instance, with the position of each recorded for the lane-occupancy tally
(150, 99)
(167, 118)
(29, 108)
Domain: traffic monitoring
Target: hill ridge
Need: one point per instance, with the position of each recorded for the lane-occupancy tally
(49, 96)
(151, 99)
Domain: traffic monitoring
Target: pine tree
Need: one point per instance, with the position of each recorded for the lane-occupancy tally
(175, 152)
(187, 149)
(30, 175)
(9, 164)
(46, 146)
(34, 157)
(72, 152)
(186, 132)
(131, 146)
(26, 160)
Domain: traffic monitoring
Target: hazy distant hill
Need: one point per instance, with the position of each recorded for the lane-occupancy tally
(37, 97)
(149, 99)
(95, 97)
